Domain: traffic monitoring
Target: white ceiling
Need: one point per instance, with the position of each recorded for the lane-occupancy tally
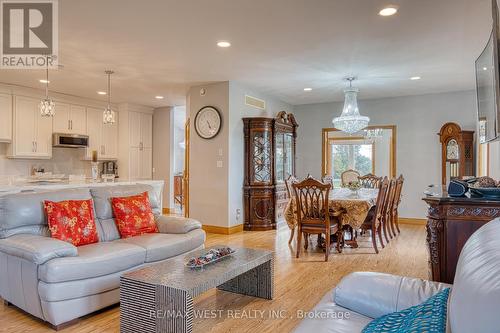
(159, 47)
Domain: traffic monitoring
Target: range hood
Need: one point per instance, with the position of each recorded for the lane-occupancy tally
(70, 140)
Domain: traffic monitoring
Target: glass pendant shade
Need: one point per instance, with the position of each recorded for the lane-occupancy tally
(108, 116)
(350, 121)
(47, 107)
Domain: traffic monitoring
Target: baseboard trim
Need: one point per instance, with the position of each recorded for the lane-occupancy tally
(213, 229)
(414, 221)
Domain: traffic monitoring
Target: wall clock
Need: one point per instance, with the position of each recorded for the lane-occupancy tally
(208, 122)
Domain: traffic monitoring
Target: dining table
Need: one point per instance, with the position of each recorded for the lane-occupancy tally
(355, 204)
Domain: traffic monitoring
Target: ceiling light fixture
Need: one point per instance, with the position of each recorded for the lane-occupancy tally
(159, 97)
(350, 121)
(223, 43)
(108, 116)
(47, 106)
(308, 89)
(102, 93)
(414, 78)
(388, 11)
(43, 81)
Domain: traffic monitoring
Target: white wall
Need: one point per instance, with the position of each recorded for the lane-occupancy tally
(179, 134)
(418, 120)
(162, 150)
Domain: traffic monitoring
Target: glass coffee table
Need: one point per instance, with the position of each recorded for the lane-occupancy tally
(159, 297)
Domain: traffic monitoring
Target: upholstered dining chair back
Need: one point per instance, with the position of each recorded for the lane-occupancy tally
(288, 183)
(349, 176)
(327, 179)
(370, 181)
(311, 197)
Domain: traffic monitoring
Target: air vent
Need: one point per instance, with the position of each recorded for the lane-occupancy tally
(255, 102)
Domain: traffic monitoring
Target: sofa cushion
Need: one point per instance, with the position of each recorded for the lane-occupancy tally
(430, 317)
(328, 317)
(133, 215)
(72, 221)
(24, 212)
(93, 260)
(164, 246)
(102, 198)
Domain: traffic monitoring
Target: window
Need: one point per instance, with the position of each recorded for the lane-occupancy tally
(350, 153)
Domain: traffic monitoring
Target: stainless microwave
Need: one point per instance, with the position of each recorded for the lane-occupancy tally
(70, 140)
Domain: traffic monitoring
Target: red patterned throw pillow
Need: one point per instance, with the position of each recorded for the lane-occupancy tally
(72, 221)
(133, 215)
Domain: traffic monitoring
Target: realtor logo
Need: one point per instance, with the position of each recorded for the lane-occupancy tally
(29, 34)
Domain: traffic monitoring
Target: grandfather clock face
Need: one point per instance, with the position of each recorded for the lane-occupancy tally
(452, 152)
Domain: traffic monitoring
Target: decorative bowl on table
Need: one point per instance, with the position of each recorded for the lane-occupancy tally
(353, 186)
(210, 257)
(486, 187)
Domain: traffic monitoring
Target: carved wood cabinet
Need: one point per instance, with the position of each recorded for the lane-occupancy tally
(451, 221)
(269, 160)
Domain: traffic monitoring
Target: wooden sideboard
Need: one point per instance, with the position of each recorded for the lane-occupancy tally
(451, 221)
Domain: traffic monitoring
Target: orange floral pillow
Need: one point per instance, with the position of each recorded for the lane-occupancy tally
(133, 215)
(72, 221)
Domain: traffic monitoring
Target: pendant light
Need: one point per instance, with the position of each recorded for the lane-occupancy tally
(350, 121)
(108, 116)
(47, 106)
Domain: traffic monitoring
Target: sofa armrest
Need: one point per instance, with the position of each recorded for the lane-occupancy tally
(37, 249)
(176, 225)
(376, 294)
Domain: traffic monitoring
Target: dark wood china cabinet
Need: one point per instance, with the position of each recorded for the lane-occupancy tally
(269, 160)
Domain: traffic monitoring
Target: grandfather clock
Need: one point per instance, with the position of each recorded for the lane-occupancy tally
(269, 160)
(457, 151)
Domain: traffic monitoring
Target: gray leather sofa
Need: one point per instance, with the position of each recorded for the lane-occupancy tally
(58, 282)
(472, 307)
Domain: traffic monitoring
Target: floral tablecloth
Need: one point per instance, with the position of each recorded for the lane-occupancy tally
(355, 205)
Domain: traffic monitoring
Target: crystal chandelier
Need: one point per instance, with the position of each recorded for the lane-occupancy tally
(47, 106)
(350, 121)
(108, 116)
(373, 133)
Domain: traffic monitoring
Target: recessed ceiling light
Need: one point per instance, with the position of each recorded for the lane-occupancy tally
(159, 97)
(485, 68)
(44, 81)
(388, 11)
(102, 93)
(308, 89)
(223, 43)
(413, 78)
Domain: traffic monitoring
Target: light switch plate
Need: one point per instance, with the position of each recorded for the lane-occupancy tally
(219, 164)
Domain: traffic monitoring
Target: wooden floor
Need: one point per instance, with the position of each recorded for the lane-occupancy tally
(300, 284)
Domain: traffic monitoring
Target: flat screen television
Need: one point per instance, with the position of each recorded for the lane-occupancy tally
(488, 84)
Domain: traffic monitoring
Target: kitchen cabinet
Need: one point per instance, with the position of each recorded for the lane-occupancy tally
(136, 143)
(71, 119)
(6, 117)
(102, 137)
(32, 132)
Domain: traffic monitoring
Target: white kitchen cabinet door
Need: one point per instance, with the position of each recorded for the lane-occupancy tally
(146, 159)
(61, 120)
(78, 119)
(110, 140)
(134, 163)
(94, 131)
(147, 130)
(24, 127)
(135, 127)
(6, 117)
(43, 138)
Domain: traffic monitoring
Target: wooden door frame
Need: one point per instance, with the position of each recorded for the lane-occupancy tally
(187, 135)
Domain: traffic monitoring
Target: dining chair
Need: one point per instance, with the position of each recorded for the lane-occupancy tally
(289, 190)
(387, 210)
(349, 176)
(395, 205)
(313, 213)
(373, 221)
(327, 179)
(370, 181)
